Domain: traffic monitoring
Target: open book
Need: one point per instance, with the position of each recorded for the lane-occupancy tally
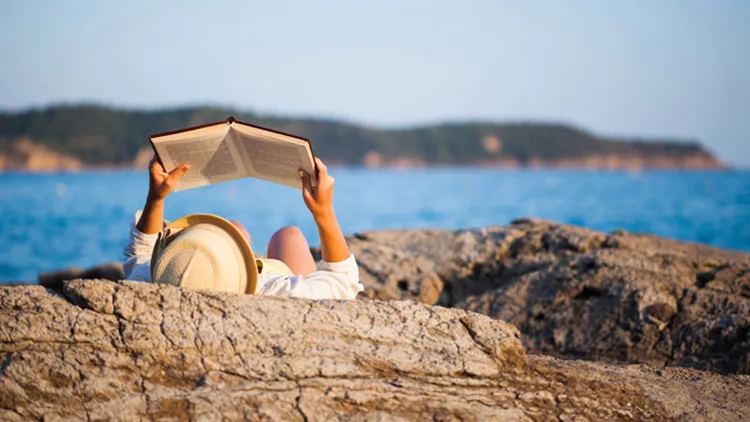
(230, 150)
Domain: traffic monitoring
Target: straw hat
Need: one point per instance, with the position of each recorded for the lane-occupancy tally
(204, 252)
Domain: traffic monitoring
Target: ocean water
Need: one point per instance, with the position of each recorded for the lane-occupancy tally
(53, 221)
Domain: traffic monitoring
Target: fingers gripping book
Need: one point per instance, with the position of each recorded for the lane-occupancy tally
(229, 150)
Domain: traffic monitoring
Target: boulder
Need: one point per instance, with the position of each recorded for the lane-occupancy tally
(443, 266)
(100, 350)
(109, 271)
(575, 292)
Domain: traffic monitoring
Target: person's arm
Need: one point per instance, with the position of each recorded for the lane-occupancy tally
(160, 184)
(337, 276)
(143, 232)
(319, 201)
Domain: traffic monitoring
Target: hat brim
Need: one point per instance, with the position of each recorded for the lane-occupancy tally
(173, 229)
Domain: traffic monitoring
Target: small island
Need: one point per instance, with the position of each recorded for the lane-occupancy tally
(91, 136)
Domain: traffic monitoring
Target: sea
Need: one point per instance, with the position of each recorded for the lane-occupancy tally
(60, 220)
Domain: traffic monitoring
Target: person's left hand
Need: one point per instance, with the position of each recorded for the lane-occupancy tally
(318, 198)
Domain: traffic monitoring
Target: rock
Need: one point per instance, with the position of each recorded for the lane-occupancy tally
(394, 264)
(28, 154)
(634, 161)
(99, 350)
(143, 158)
(578, 293)
(572, 292)
(110, 271)
(54, 279)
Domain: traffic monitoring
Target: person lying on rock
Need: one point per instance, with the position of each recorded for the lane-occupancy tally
(207, 252)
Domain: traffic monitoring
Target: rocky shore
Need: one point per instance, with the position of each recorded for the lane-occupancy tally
(698, 160)
(577, 325)
(100, 350)
(44, 161)
(27, 155)
(575, 292)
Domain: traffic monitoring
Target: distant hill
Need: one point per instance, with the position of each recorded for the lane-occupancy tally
(71, 137)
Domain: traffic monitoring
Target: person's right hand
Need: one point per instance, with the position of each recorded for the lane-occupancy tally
(318, 199)
(161, 183)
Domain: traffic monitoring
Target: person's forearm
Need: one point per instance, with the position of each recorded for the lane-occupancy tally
(152, 218)
(333, 245)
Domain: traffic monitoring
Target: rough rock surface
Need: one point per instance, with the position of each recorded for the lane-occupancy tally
(572, 292)
(100, 350)
(576, 292)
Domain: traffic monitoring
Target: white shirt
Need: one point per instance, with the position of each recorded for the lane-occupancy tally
(332, 280)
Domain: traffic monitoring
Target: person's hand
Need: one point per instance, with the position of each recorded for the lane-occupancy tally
(319, 199)
(161, 183)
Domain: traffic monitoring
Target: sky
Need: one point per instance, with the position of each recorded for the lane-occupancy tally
(677, 68)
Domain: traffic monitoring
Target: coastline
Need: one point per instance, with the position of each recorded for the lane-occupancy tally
(123, 143)
(572, 165)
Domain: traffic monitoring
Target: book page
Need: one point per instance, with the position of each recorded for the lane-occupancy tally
(271, 157)
(212, 159)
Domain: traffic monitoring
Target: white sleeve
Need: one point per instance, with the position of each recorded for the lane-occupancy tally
(332, 280)
(137, 265)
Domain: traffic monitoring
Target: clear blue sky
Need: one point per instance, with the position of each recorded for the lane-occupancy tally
(666, 68)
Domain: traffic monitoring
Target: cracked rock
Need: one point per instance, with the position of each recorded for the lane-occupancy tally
(100, 350)
(578, 293)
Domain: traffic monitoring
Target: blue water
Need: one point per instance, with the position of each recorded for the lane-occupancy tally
(62, 220)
